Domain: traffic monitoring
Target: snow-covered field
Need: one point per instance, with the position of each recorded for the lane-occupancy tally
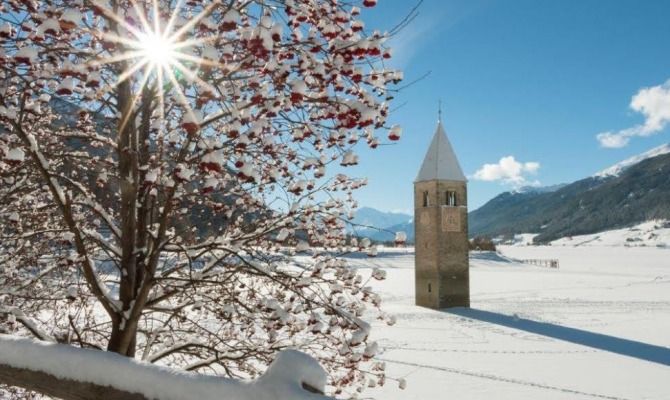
(598, 327)
(654, 233)
(650, 233)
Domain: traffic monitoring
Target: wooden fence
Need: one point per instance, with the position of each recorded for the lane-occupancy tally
(541, 263)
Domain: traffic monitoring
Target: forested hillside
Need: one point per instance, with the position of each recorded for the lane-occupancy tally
(639, 193)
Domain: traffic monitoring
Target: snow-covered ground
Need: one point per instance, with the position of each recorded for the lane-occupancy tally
(598, 327)
(522, 239)
(650, 233)
(655, 233)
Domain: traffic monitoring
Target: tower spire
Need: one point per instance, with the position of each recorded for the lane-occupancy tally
(440, 162)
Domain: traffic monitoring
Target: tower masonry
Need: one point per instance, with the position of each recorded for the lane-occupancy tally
(442, 268)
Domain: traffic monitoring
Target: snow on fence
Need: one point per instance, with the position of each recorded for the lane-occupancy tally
(541, 262)
(74, 373)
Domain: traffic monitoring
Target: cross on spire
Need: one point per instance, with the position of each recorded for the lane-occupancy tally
(439, 110)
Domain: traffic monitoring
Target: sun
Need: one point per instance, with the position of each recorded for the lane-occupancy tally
(154, 47)
(159, 54)
(157, 49)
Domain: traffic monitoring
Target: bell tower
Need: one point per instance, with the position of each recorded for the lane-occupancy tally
(442, 270)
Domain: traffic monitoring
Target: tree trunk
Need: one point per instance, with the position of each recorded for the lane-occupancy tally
(118, 339)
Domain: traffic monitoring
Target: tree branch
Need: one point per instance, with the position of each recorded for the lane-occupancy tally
(61, 388)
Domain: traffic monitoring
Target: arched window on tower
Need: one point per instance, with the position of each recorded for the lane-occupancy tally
(450, 198)
(425, 199)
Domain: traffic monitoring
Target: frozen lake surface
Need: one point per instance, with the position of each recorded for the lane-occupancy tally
(597, 328)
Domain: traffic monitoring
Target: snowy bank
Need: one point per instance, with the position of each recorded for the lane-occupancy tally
(292, 376)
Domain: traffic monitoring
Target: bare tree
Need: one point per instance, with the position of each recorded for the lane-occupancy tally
(172, 185)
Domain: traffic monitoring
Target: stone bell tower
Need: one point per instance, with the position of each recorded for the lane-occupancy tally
(442, 276)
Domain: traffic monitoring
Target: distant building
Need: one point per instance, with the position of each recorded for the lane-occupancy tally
(442, 276)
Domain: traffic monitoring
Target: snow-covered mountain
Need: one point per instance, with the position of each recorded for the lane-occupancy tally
(381, 226)
(371, 217)
(539, 189)
(633, 191)
(618, 168)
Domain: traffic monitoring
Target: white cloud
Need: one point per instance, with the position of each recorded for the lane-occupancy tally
(508, 170)
(652, 102)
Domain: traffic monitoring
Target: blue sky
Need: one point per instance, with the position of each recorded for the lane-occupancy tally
(536, 80)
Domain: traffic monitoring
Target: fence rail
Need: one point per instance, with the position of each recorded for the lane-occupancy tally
(541, 262)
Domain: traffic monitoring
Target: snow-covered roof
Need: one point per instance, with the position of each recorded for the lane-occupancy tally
(440, 162)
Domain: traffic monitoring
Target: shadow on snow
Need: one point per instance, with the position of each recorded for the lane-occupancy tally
(381, 255)
(625, 347)
(490, 256)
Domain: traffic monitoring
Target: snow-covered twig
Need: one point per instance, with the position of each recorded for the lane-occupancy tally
(27, 323)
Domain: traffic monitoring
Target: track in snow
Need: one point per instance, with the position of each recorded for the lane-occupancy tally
(505, 379)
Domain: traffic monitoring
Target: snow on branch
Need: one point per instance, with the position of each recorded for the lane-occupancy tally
(23, 362)
(26, 322)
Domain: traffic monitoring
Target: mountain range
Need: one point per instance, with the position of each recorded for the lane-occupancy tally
(630, 192)
(367, 217)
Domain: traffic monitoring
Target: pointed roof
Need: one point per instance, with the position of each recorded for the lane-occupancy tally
(440, 162)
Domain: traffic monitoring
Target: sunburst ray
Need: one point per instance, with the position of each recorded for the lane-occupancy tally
(160, 51)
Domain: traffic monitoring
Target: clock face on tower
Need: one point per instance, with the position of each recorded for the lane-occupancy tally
(451, 219)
